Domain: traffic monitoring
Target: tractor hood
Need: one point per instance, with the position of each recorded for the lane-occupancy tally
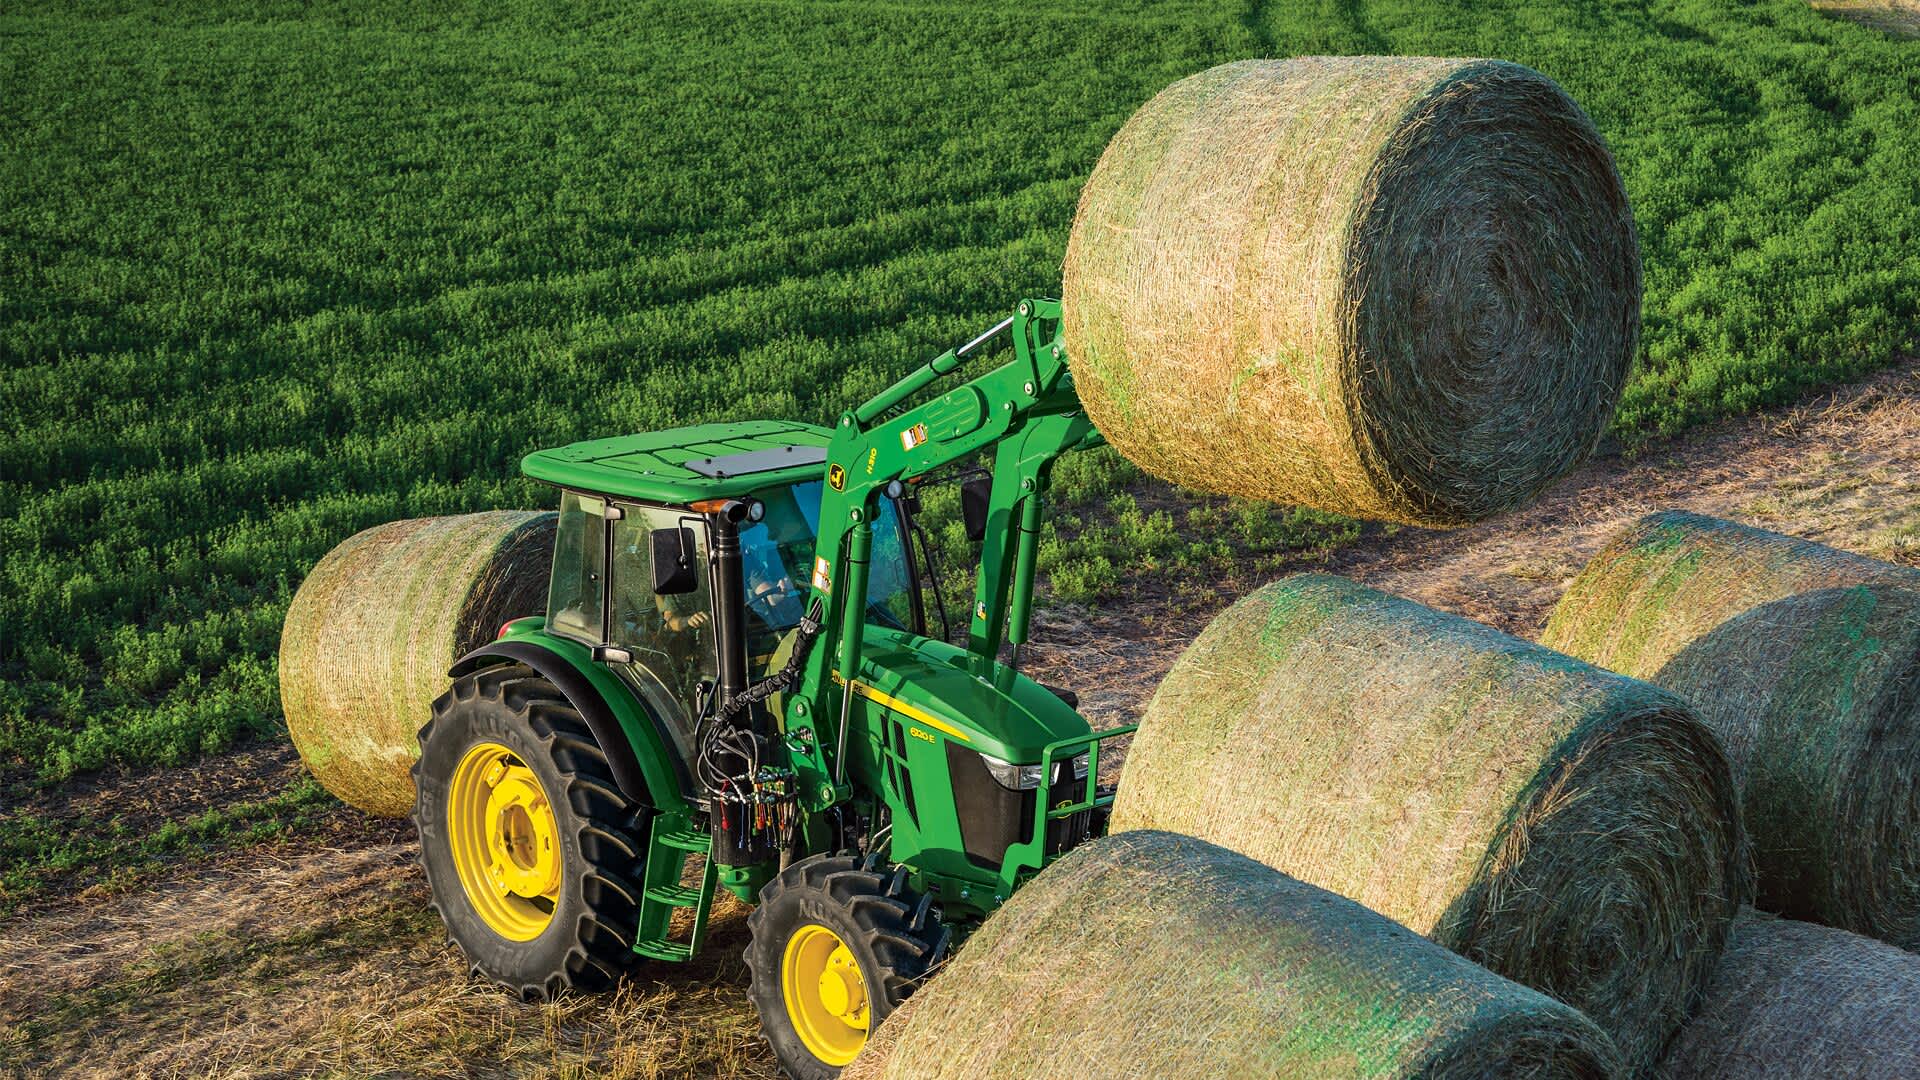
(932, 683)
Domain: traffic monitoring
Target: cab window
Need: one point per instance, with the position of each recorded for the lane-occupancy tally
(671, 638)
(577, 586)
(776, 559)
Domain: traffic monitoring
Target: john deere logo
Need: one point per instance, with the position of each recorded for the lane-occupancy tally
(836, 478)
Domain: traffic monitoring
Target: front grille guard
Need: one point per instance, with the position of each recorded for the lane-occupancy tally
(1025, 858)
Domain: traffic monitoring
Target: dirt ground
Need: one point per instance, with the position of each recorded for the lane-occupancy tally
(319, 956)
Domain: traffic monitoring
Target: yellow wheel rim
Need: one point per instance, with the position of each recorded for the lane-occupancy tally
(506, 846)
(825, 993)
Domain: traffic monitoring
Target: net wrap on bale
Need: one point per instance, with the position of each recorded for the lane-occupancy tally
(1403, 288)
(1795, 1001)
(372, 630)
(1805, 660)
(1151, 955)
(1571, 829)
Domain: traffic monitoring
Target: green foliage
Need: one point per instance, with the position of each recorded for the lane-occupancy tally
(273, 272)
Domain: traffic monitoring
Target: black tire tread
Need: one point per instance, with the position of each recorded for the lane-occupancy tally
(607, 827)
(890, 921)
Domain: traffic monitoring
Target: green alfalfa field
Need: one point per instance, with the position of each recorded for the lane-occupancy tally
(273, 273)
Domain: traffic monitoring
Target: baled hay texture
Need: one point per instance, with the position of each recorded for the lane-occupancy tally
(1806, 662)
(1153, 955)
(371, 633)
(1396, 287)
(1795, 1001)
(1570, 829)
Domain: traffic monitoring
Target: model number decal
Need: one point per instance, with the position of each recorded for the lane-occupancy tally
(925, 736)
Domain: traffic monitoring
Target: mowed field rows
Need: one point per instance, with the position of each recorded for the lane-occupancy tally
(272, 273)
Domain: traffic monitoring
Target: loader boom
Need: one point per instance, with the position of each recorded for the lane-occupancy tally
(1026, 410)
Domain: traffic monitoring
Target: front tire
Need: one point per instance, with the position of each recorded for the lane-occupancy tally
(837, 946)
(531, 851)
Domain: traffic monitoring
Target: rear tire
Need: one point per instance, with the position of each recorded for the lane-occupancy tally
(531, 850)
(819, 918)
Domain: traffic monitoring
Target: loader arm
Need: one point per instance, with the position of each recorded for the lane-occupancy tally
(1027, 413)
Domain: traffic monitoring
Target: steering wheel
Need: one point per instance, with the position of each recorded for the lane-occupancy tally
(767, 602)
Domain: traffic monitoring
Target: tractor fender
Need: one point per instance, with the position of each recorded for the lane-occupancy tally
(630, 735)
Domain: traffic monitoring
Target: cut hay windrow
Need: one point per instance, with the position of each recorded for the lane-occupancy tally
(1151, 955)
(1805, 661)
(1795, 1001)
(1571, 829)
(1402, 288)
(372, 630)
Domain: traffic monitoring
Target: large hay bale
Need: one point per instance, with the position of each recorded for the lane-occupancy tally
(372, 630)
(1795, 1001)
(1398, 287)
(1571, 829)
(1806, 662)
(1159, 956)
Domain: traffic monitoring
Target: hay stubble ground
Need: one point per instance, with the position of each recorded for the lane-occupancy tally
(316, 955)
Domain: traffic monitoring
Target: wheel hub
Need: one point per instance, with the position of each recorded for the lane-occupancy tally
(842, 990)
(521, 835)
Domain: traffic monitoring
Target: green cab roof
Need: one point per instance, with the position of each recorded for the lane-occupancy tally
(707, 461)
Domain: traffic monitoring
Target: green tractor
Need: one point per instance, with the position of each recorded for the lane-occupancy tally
(735, 664)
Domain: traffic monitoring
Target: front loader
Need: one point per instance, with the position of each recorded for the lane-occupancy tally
(734, 688)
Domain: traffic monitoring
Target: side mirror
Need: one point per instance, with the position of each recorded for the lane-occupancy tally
(976, 495)
(673, 561)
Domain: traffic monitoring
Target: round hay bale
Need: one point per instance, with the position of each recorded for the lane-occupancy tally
(1402, 288)
(1153, 955)
(1672, 576)
(1795, 1001)
(372, 630)
(1806, 662)
(1571, 829)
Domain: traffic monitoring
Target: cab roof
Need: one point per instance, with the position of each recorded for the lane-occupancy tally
(707, 461)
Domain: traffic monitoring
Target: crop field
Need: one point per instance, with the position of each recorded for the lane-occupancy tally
(271, 273)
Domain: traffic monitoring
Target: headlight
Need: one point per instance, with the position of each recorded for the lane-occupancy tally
(1026, 777)
(1010, 776)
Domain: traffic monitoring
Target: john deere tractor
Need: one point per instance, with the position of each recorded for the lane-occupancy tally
(734, 687)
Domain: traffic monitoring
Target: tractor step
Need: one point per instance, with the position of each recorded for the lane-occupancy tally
(670, 843)
(686, 840)
(675, 895)
(665, 950)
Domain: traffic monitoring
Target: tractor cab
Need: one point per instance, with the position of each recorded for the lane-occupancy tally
(633, 574)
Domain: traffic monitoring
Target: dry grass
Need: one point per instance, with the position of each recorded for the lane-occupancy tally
(1901, 17)
(1348, 192)
(1473, 786)
(1199, 962)
(329, 963)
(370, 635)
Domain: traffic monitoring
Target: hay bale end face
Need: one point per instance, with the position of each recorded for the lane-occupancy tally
(1153, 955)
(1805, 661)
(1402, 288)
(1570, 829)
(1795, 1001)
(372, 630)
